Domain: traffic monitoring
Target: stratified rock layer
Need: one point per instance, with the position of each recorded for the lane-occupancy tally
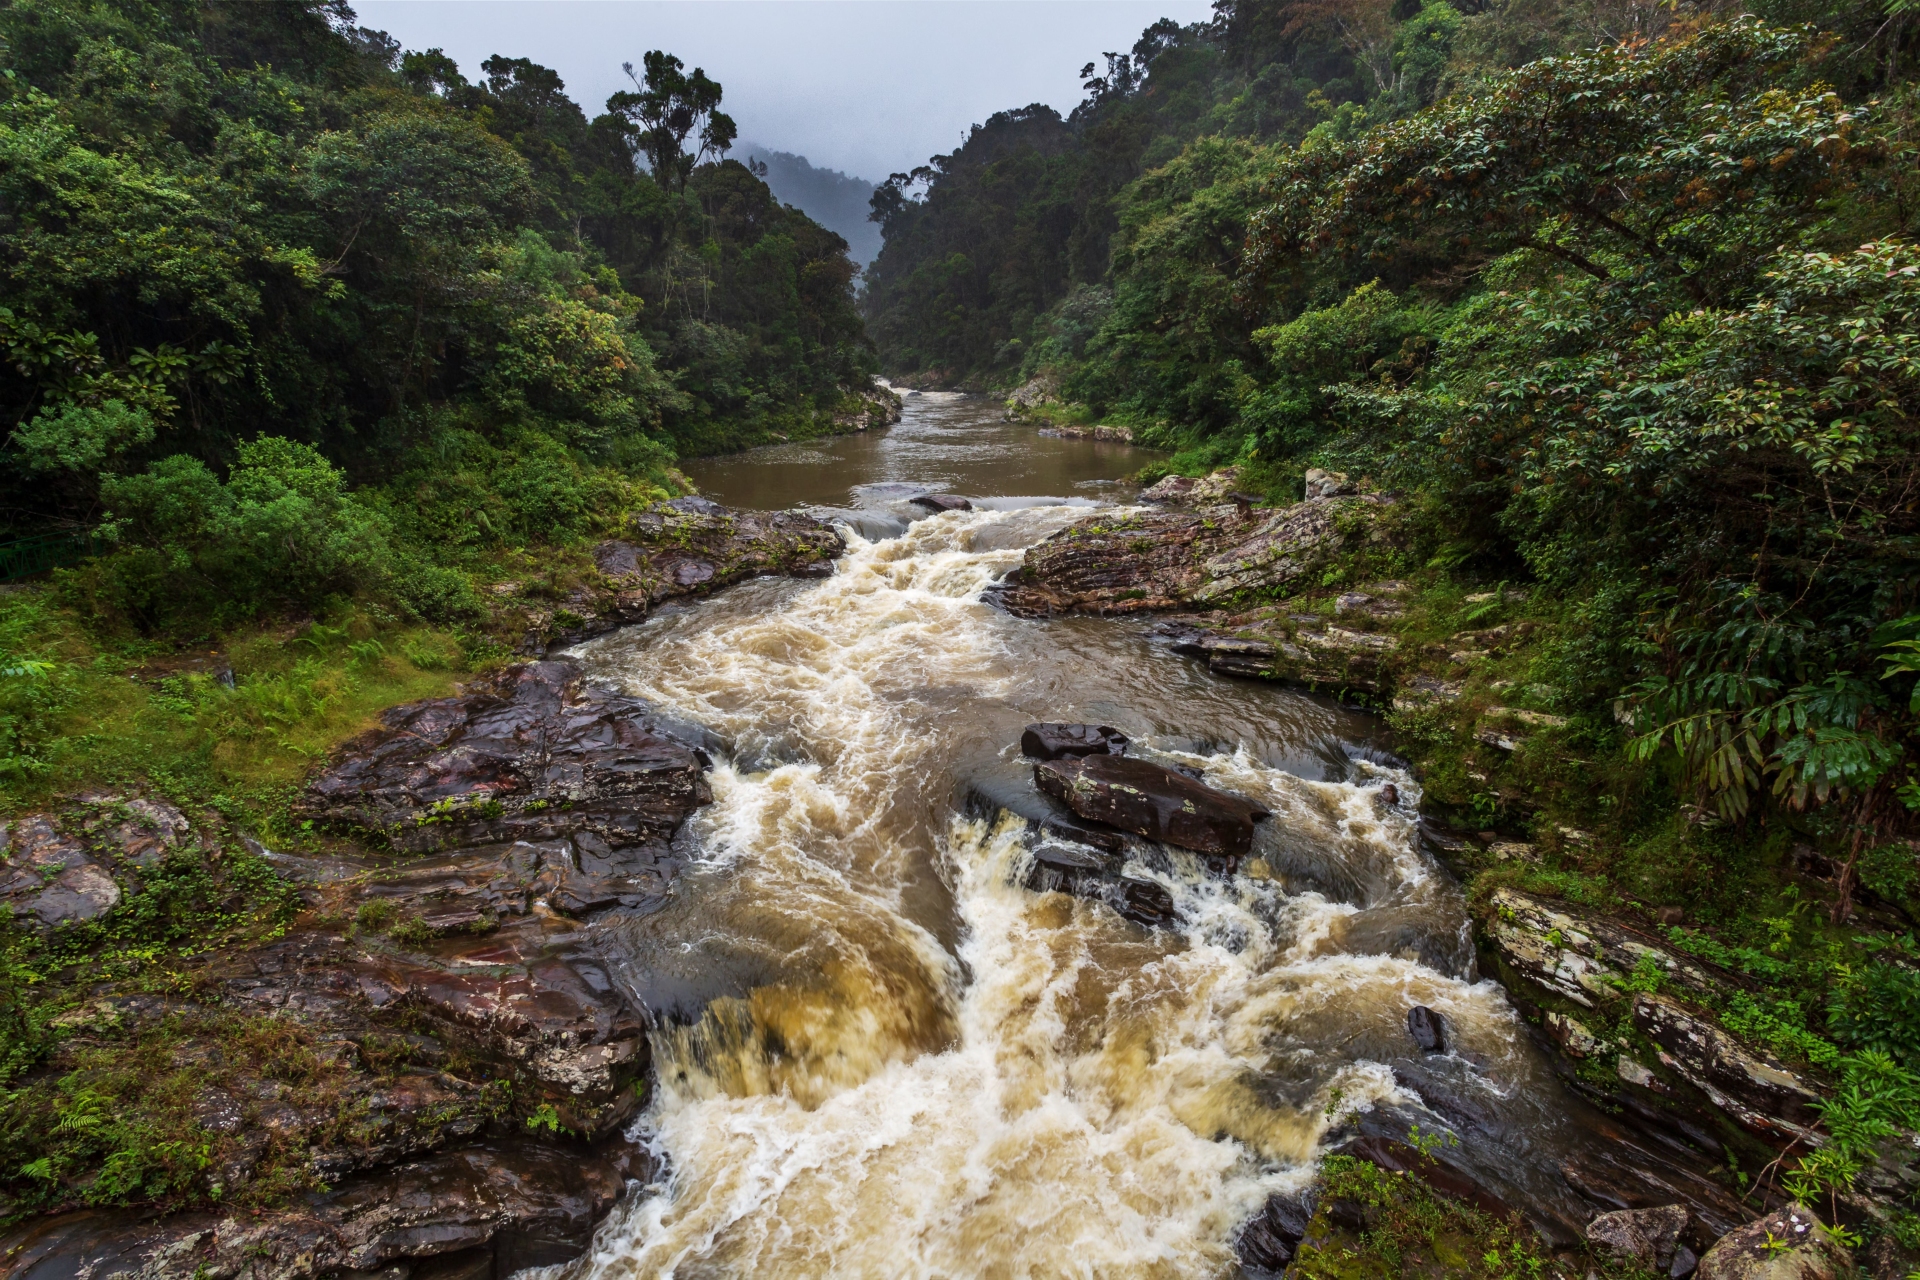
(450, 999)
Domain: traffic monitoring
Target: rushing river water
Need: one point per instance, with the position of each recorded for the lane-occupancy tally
(880, 1056)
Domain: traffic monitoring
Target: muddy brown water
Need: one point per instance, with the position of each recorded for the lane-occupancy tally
(879, 1056)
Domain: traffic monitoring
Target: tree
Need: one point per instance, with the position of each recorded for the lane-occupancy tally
(669, 106)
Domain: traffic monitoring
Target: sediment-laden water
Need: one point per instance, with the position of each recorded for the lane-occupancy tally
(881, 1057)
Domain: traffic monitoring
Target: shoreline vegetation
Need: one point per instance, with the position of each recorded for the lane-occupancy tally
(349, 364)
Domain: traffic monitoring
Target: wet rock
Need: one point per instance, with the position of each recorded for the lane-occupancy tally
(1191, 491)
(1422, 690)
(1442, 1175)
(942, 502)
(684, 547)
(494, 1209)
(1752, 1087)
(1267, 1241)
(1152, 801)
(1582, 957)
(47, 876)
(1424, 1025)
(1572, 1035)
(1098, 875)
(1097, 431)
(1049, 741)
(1158, 560)
(1040, 389)
(1650, 1237)
(1788, 1244)
(1326, 484)
(1316, 656)
(531, 754)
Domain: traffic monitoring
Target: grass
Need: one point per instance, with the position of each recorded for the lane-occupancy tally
(1397, 1226)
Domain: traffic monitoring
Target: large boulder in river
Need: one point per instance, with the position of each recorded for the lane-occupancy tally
(1050, 741)
(688, 546)
(1152, 801)
(1167, 559)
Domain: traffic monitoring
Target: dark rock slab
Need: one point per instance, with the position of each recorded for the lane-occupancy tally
(48, 877)
(531, 754)
(942, 502)
(1096, 874)
(1152, 801)
(484, 1211)
(1755, 1088)
(1267, 1240)
(1424, 1025)
(1050, 741)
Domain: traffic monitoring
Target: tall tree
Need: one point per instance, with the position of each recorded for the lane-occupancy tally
(670, 105)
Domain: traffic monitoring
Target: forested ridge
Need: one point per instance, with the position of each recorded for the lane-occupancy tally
(1619, 307)
(271, 280)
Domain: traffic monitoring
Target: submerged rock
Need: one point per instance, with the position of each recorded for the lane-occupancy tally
(1152, 801)
(1424, 1025)
(1048, 741)
(1099, 875)
(942, 502)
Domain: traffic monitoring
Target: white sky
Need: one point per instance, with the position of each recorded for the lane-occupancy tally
(867, 86)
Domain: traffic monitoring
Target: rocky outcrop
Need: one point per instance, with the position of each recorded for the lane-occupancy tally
(1042, 388)
(1788, 1244)
(1093, 431)
(471, 1059)
(1754, 1088)
(869, 407)
(483, 1212)
(1168, 559)
(1300, 649)
(1193, 491)
(1605, 965)
(533, 754)
(1648, 1237)
(1086, 871)
(1151, 801)
(684, 547)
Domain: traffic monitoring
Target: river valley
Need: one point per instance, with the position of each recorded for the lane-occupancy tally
(880, 1056)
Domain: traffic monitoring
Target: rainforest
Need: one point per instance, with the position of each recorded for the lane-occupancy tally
(1314, 672)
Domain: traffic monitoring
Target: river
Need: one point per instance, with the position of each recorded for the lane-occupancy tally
(881, 1057)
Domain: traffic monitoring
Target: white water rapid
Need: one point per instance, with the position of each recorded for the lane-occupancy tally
(892, 1061)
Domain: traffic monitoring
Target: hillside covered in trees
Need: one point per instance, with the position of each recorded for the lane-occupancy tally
(1619, 306)
(289, 311)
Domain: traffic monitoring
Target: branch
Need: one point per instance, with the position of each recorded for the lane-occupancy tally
(1567, 255)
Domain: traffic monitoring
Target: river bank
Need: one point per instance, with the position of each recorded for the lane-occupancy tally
(892, 814)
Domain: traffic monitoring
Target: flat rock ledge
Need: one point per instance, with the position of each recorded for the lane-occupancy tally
(682, 548)
(1147, 560)
(480, 1061)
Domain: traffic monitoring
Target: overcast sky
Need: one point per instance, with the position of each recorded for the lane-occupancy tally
(867, 86)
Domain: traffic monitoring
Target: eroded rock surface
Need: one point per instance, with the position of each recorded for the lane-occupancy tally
(684, 547)
(1150, 800)
(441, 1002)
(1169, 559)
(1048, 741)
(532, 754)
(1788, 1244)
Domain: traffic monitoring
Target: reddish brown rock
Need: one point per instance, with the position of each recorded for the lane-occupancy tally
(1151, 801)
(1048, 741)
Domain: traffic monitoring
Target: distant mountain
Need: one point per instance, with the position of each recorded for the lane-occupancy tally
(833, 199)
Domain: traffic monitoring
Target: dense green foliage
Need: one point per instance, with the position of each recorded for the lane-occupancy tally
(453, 315)
(1631, 323)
